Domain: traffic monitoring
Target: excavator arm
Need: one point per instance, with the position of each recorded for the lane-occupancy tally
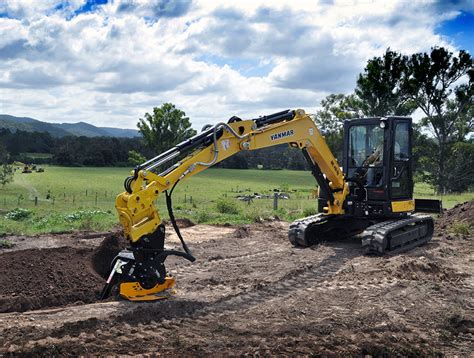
(141, 268)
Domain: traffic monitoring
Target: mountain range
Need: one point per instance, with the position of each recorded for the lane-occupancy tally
(63, 129)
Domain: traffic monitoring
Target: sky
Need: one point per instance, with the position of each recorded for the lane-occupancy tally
(109, 62)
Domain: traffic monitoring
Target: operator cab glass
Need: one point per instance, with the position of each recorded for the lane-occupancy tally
(377, 156)
(366, 153)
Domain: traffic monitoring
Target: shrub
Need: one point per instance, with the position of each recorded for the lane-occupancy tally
(18, 214)
(254, 215)
(203, 216)
(226, 206)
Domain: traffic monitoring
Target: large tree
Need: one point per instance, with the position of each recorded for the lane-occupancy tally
(165, 127)
(442, 86)
(380, 89)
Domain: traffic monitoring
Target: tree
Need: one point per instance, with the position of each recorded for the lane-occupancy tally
(380, 89)
(6, 170)
(135, 158)
(460, 166)
(442, 86)
(165, 127)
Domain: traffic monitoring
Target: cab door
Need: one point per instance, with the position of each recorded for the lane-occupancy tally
(401, 178)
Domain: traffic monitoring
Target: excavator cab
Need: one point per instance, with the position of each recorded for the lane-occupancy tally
(378, 163)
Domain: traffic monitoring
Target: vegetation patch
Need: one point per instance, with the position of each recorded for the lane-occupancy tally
(83, 214)
(226, 206)
(18, 214)
(5, 244)
(461, 228)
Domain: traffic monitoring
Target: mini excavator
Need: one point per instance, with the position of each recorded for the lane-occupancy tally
(371, 195)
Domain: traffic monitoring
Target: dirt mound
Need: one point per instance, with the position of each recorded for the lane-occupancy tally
(460, 213)
(106, 252)
(422, 268)
(38, 278)
(182, 222)
(242, 231)
(33, 279)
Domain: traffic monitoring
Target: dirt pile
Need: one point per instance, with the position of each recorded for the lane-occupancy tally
(33, 279)
(38, 278)
(106, 252)
(461, 213)
(423, 269)
(181, 222)
(242, 231)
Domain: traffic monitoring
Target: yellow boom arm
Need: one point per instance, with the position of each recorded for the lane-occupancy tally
(136, 208)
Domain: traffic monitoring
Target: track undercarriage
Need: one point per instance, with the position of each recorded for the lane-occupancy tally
(379, 236)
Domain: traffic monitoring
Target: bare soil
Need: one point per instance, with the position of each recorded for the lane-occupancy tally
(249, 293)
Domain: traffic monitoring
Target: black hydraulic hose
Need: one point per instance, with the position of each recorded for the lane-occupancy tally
(169, 205)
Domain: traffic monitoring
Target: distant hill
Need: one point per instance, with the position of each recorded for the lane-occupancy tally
(63, 129)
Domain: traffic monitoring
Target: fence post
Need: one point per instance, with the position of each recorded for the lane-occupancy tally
(73, 199)
(190, 199)
(36, 201)
(95, 198)
(86, 192)
(275, 201)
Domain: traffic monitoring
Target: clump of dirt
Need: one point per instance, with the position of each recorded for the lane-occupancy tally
(182, 222)
(460, 213)
(106, 252)
(242, 231)
(422, 268)
(33, 279)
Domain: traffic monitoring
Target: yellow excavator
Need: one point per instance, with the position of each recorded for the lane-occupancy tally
(371, 195)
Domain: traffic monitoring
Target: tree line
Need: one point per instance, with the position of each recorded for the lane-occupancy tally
(68, 151)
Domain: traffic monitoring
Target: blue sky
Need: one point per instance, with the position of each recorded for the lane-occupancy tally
(460, 30)
(107, 63)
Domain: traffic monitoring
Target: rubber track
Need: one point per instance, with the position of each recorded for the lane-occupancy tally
(296, 233)
(375, 237)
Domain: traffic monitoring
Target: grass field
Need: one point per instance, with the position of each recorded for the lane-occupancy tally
(83, 198)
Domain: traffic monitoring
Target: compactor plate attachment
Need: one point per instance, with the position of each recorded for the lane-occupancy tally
(133, 291)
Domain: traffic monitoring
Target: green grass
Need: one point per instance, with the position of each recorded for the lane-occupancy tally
(83, 198)
(426, 191)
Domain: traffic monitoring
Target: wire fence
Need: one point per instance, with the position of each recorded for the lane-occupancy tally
(106, 200)
(87, 198)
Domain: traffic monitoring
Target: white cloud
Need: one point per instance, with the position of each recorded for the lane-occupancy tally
(109, 64)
